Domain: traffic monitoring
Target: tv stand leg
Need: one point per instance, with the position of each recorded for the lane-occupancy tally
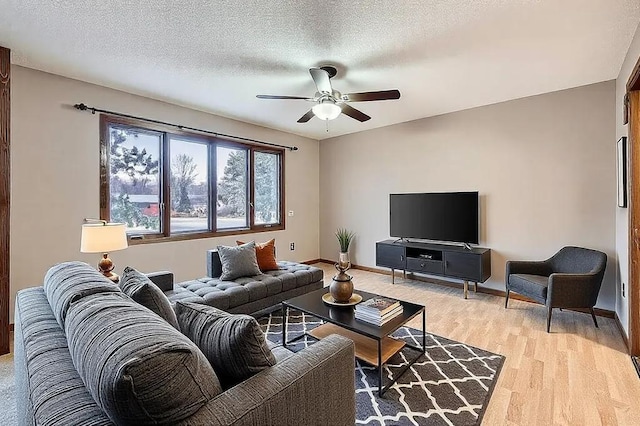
(475, 287)
(466, 289)
(404, 274)
(393, 276)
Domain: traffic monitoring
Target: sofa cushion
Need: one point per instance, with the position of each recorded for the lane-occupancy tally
(67, 282)
(140, 288)
(522, 283)
(47, 382)
(234, 344)
(271, 287)
(279, 352)
(238, 261)
(266, 255)
(138, 368)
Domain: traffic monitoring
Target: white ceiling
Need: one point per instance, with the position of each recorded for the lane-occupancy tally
(443, 55)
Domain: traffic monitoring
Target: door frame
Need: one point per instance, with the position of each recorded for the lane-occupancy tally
(5, 192)
(632, 115)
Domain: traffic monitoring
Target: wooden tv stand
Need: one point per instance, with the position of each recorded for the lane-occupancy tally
(441, 260)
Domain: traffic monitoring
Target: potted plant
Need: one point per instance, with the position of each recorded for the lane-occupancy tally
(344, 239)
(341, 287)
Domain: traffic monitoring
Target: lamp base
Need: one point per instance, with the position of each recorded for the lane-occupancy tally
(112, 276)
(105, 266)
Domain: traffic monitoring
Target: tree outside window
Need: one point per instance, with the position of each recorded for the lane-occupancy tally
(134, 179)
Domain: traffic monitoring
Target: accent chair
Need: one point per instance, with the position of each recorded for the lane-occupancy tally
(571, 278)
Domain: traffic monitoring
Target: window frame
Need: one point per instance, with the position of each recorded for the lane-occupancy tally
(212, 142)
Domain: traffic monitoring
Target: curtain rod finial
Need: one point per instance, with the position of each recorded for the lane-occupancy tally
(81, 107)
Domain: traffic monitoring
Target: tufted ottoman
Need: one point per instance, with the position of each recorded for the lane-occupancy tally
(247, 294)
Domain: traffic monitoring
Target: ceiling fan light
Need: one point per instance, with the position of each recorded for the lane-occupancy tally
(326, 110)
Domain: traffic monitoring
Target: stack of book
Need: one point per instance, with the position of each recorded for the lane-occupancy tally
(378, 310)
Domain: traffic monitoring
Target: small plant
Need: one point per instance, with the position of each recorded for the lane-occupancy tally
(344, 239)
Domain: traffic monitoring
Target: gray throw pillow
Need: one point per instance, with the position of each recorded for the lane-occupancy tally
(234, 344)
(238, 261)
(140, 288)
(67, 282)
(138, 368)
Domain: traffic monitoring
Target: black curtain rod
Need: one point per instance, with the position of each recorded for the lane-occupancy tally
(83, 107)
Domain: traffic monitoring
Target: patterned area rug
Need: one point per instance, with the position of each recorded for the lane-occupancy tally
(450, 385)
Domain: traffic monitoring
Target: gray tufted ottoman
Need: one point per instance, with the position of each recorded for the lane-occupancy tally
(247, 294)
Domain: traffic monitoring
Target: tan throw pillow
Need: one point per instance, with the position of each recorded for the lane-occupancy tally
(266, 255)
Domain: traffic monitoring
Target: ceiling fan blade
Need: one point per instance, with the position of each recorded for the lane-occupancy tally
(381, 95)
(321, 78)
(306, 117)
(282, 97)
(354, 113)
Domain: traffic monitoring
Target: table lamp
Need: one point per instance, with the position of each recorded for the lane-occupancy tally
(103, 237)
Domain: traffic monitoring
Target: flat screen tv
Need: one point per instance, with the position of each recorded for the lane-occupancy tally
(440, 216)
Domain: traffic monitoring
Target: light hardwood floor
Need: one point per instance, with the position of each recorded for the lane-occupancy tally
(575, 375)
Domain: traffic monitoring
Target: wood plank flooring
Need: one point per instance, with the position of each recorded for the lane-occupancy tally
(575, 375)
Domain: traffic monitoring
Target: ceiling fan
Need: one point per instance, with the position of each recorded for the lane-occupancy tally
(330, 103)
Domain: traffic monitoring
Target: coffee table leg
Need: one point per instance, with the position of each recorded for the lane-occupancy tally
(380, 390)
(285, 311)
(424, 332)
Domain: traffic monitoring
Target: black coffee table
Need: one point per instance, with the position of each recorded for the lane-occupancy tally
(373, 343)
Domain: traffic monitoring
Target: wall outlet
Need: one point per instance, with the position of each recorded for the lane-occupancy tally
(292, 246)
(623, 295)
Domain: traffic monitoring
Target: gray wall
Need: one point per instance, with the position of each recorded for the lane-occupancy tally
(544, 167)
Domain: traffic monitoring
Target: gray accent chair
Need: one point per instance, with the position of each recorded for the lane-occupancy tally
(571, 278)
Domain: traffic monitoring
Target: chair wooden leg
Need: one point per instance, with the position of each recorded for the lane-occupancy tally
(549, 318)
(506, 299)
(593, 315)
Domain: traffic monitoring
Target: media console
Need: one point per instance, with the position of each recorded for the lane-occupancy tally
(441, 260)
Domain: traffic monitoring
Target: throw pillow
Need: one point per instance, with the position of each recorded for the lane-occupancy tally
(266, 255)
(138, 368)
(140, 288)
(68, 282)
(234, 344)
(238, 261)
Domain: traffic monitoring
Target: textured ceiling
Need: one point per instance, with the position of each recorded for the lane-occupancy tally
(443, 55)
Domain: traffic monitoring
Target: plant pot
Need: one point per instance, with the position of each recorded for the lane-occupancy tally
(343, 263)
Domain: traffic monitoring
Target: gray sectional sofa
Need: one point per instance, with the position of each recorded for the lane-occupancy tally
(85, 353)
(247, 294)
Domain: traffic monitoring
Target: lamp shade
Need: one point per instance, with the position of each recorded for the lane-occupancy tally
(103, 238)
(326, 110)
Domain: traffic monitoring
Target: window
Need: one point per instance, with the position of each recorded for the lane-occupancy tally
(134, 178)
(178, 185)
(232, 211)
(267, 190)
(189, 186)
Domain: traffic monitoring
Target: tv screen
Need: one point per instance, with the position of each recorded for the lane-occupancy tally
(441, 216)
